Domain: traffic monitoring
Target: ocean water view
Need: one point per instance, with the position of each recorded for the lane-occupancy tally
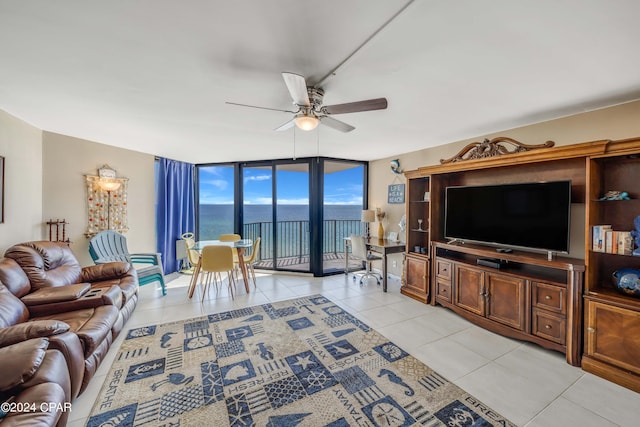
(291, 229)
(218, 219)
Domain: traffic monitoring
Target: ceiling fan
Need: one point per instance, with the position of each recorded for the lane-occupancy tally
(310, 111)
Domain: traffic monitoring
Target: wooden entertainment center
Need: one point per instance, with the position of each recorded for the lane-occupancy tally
(564, 304)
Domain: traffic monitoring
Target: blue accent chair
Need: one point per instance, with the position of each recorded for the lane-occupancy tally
(109, 245)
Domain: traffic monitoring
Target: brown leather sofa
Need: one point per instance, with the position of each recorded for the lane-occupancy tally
(44, 292)
(34, 386)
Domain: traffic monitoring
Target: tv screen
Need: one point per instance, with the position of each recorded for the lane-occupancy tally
(529, 215)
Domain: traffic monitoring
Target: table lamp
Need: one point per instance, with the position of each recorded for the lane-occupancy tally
(367, 217)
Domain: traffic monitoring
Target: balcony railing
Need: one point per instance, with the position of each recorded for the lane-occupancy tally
(293, 237)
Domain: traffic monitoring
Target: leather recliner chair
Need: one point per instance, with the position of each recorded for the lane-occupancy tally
(34, 385)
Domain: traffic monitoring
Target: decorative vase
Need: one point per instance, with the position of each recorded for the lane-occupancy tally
(636, 236)
(628, 281)
(380, 231)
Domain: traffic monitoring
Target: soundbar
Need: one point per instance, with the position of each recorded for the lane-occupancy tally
(488, 262)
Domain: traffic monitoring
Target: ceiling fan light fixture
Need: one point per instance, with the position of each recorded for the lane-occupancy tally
(305, 122)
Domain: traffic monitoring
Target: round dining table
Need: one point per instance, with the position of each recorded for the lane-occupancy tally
(240, 245)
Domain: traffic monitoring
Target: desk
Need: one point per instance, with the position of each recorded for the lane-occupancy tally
(240, 246)
(381, 246)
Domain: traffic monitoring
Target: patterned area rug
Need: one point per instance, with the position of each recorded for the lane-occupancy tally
(301, 362)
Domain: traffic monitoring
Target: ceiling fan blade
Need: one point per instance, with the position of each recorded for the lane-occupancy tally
(336, 124)
(354, 107)
(261, 108)
(297, 86)
(287, 125)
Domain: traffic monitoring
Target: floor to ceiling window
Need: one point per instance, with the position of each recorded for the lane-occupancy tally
(302, 210)
(343, 200)
(216, 201)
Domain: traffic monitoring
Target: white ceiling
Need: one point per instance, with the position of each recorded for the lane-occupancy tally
(154, 75)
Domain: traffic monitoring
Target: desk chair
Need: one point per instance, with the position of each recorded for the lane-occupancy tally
(109, 245)
(216, 259)
(359, 251)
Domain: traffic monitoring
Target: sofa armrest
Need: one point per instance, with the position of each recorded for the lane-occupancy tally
(106, 271)
(20, 361)
(28, 330)
(95, 297)
(53, 294)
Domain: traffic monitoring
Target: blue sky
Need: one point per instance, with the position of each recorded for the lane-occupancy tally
(216, 186)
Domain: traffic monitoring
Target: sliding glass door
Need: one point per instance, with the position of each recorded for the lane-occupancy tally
(302, 210)
(276, 208)
(257, 210)
(343, 201)
(292, 217)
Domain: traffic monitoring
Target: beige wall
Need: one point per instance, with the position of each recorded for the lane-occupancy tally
(21, 146)
(619, 122)
(65, 162)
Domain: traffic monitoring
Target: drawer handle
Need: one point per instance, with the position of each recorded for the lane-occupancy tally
(547, 297)
(547, 326)
(591, 330)
(444, 291)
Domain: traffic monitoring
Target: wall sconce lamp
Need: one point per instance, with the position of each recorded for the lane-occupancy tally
(108, 185)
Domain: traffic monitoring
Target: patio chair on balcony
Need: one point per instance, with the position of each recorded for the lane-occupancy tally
(193, 256)
(359, 251)
(108, 246)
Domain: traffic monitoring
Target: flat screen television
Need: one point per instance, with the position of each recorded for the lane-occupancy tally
(533, 215)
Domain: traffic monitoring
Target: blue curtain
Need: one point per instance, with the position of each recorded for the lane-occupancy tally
(175, 207)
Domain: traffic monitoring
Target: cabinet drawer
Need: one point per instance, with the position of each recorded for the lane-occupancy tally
(549, 297)
(443, 269)
(443, 290)
(549, 326)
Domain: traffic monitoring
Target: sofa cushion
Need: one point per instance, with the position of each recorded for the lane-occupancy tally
(13, 277)
(46, 263)
(12, 310)
(91, 325)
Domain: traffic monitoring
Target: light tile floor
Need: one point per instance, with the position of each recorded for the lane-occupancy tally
(523, 382)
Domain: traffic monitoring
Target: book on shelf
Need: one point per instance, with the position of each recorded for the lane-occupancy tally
(609, 247)
(607, 240)
(599, 237)
(624, 242)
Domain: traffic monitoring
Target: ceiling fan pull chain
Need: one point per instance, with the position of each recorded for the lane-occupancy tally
(294, 142)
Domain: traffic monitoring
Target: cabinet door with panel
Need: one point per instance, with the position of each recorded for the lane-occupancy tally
(417, 277)
(469, 291)
(505, 297)
(613, 335)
